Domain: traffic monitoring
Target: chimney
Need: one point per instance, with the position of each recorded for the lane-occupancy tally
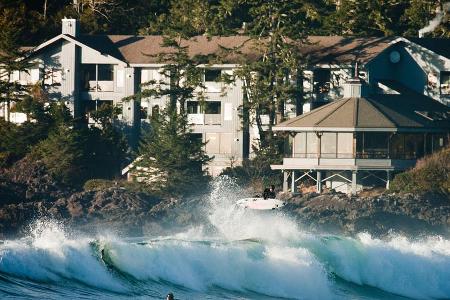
(354, 87)
(70, 27)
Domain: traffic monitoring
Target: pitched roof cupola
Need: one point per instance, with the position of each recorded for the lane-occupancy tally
(355, 87)
(70, 27)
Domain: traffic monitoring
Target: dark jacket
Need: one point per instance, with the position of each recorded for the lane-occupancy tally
(268, 194)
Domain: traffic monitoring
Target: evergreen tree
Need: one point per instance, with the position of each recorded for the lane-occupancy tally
(276, 32)
(11, 56)
(64, 154)
(170, 159)
(108, 144)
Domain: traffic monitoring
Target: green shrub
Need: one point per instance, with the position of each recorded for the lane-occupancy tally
(431, 174)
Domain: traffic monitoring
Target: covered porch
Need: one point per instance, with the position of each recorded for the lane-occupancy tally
(347, 142)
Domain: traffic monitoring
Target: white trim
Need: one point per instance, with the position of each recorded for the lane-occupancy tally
(410, 43)
(150, 65)
(72, 40)
(359, 129)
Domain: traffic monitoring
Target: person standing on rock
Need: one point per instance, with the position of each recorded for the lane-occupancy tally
(269, 193)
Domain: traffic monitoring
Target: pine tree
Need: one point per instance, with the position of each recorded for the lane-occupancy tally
(64, 154)
(11, 56)
(276, 32)
(170, 159)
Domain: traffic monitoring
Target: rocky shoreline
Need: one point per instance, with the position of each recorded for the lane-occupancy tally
(382, 214)
(28, 193)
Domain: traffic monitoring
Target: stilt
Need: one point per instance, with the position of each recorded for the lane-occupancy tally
(388, 179)
(319, 182)
(293, 188)
(285, 181)
(354, 183)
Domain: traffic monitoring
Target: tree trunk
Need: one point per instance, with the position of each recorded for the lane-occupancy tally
(299, 95)
(45, 10)
(8, 109)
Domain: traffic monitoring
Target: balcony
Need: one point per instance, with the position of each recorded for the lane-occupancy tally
(205, 119)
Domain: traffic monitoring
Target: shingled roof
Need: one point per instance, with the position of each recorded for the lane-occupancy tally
(379, 112)
(319, 49)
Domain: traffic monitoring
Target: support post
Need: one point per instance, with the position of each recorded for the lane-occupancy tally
(354, 183)
(293, 189)
(319, 182)
(285, 181)
(388, 179)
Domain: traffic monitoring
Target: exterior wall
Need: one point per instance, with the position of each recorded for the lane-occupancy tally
(417, 69)
(69, 90)
(338, 76)
(224, 136)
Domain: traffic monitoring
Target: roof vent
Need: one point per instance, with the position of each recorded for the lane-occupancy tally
(354, 87)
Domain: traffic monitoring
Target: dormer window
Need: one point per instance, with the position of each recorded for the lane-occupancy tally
(212, 75)
(445, 82)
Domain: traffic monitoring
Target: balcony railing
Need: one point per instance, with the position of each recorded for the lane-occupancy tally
(376, 154)
(205, 119)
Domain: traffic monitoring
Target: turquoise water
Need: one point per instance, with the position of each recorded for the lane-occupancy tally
(235, 255)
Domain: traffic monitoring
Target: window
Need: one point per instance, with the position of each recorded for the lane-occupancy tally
(105, 73)
(89, 77)
(322, 78)
(372, 145)
(52, 76)
(213, 107)
(155, 111)
(208, 107)
(96, 78)
(212, 75)
(445, 83)
(192, 107)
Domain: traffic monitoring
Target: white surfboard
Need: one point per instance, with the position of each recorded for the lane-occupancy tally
(260, 203)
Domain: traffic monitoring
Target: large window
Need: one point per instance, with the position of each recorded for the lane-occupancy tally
(445, 82)
(204, 113)
(207, 107)
(372, 145)
(97, 77)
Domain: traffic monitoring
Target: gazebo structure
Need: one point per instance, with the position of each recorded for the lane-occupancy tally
(346, 142)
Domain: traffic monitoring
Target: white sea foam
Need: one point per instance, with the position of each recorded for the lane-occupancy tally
(417, 269)
(264, 253)
(240, 266)
(48, 255)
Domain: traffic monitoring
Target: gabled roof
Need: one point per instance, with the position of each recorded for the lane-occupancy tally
(78, 42)
(378, 112)
(439, 46)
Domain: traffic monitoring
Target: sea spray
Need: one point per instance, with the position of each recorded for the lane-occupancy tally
(235, 223)
(238, 266)
(232, 253)
(416, 269)
(47, 255)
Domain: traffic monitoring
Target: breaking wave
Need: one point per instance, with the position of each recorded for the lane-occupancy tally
(239, 254)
